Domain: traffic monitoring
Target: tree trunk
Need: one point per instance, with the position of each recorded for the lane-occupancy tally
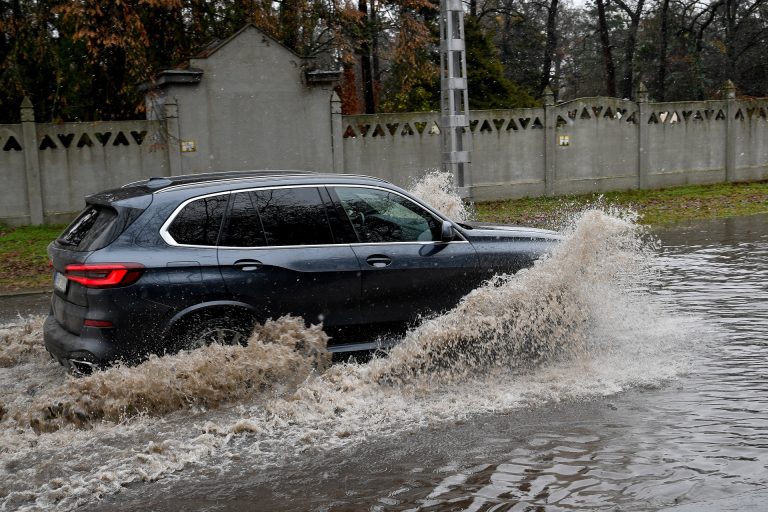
(605, 40)
(730, 39)
(366, 73)
(551, 46)
(663, 48)
(627, 81)
(290, 20)
(375, 64)
(698, 48)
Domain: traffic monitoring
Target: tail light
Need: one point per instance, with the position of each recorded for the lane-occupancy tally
(104, 275)
(88, 322)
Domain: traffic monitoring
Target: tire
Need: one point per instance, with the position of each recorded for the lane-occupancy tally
(206, 330)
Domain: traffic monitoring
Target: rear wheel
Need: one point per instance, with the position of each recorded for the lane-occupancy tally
(206, 330)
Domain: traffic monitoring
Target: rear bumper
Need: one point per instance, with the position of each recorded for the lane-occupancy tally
(89, 347)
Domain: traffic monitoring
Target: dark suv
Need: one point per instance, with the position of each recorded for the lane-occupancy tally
(178, 262)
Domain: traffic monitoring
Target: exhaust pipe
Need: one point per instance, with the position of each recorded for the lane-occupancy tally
(80, 368)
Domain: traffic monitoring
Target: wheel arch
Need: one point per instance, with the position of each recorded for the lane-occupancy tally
(212, 309)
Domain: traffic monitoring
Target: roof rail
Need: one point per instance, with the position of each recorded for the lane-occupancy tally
(211, 176)
(182, 179)
(191, 180)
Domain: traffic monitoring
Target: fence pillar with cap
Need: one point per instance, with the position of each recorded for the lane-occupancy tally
(31, 163)
(550, 125)
(730, 131)
(642, 136)
(172, 136)
(337, 134)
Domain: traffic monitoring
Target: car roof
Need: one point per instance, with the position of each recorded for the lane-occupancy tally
(190, 185)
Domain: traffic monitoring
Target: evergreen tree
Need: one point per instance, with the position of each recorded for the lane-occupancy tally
(488, 87)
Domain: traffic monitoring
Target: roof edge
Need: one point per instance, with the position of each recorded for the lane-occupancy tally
(206, 53)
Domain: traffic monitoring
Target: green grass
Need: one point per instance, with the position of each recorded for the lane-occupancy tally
(24, 262)
(656, 207)
(23, 258)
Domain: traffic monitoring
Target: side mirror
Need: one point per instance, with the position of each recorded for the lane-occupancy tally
(446, 232)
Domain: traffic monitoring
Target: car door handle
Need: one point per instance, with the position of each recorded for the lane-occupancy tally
(248, 265)
(378, 260)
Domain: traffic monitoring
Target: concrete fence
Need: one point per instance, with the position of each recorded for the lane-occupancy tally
(47, 169)
(585, 145)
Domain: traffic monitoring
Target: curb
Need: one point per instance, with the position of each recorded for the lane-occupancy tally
(22, 293)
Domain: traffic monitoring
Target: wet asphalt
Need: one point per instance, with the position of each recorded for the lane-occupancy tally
(14, 306)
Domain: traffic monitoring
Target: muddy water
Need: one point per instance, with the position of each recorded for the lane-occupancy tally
(652, 396)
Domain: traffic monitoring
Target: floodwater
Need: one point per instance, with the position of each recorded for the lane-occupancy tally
(616, 375)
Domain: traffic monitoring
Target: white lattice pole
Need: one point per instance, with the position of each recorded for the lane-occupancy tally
(456, 136)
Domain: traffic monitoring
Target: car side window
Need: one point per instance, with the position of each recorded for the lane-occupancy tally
(198, 223)
(293, 216)
(243, 227)
(379, 216)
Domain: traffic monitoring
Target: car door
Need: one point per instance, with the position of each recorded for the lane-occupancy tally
(277, 253)
(406, 269)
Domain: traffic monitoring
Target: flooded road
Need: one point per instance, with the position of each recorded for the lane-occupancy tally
(654, 396)
(15, 307)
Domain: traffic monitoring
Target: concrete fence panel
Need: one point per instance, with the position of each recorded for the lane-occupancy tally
(596, 145)
(507, 153)
(687, 143)
(14, 204)
(751, 140)
(395, 147)
(77, 159)
(47, 169)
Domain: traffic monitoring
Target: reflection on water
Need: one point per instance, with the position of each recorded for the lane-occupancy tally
(666, 407)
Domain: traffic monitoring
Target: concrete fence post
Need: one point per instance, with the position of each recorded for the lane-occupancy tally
(550, 116)
(730, 131)
(337, 134)
(642, 137)
(31, 163)
(173, 136)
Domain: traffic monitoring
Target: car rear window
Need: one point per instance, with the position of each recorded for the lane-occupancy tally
(198, 223)
(97, 226)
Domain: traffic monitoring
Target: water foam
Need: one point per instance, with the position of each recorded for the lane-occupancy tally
(279, 353)
(575, 326)
(20, 342)
(535, 316)
(437, 189)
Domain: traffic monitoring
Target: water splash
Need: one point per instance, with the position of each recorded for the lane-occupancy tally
(536, 316)
(574, 326)
(280, 353)
(437, 189)
(20, 342)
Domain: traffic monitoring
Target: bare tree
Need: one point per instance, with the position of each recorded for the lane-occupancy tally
(551, 45)
(605, 41)
(663, 49)
(627, 81)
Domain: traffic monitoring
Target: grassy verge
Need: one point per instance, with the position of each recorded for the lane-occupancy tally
(656, 207)
(23, 258)
(24, 263)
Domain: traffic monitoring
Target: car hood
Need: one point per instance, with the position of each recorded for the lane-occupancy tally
(486, 230)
